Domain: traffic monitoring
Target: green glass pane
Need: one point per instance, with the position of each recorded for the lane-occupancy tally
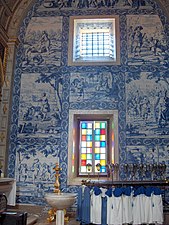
(97, 137)
(103, 125)
(89, 156)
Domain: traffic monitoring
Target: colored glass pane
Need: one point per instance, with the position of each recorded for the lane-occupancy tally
(102, 150)
(102, 144)
(89, 132)
(96, 162)
(97, 137)
(83, 150)
(89, 156)
(112, 136)
(89, 125)
(102, 137)
(83, 162)
(83, 143)
(103, 169)
(89, 137)
(89, 161)
(97, 156)
(83, 156)
(89, 150)
(84, 132)
(93, 142)
(89, 144)
(83, 138)
(103, 162)
(97, 131)
(102, 156)
(97, 125)
(83, 169)
(84, 125)
(97, 144)
(103, 125)
(102, 131)
(97, 150)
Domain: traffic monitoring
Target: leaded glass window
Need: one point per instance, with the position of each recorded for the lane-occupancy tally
(93, 145)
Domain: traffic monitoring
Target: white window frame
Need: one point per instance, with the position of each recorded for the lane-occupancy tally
(78, 25)
(73, 178)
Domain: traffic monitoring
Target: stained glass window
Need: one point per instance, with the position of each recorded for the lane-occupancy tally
(93, 145)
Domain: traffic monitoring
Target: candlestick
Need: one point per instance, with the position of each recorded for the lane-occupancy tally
(57, 160)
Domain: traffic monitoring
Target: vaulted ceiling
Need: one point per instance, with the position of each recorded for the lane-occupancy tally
(12, 13)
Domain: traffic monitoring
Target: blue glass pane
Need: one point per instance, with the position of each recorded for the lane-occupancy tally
(102, 144)
(103, 169)
(97, 131)
(84, 125)
(89, 137)
(97, 156)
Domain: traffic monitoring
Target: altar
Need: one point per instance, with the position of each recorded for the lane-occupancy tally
(8, 187)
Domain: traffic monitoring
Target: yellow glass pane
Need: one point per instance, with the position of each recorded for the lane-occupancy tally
(83, 131)
(97, 150)
(83, 156)
(103, 162)
(97, 125)
(102, 137)
(89, 144)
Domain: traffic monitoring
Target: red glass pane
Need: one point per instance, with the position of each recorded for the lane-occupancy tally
(83, 162)
(102, 131)
(83, 137)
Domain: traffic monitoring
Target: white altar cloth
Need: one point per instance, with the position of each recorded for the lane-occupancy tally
(8, 187)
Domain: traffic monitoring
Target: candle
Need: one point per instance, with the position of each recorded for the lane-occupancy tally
(57, 160)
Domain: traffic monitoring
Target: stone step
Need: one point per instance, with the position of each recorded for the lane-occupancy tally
(32, 219)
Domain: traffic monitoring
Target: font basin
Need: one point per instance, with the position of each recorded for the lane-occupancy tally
(60, 201)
